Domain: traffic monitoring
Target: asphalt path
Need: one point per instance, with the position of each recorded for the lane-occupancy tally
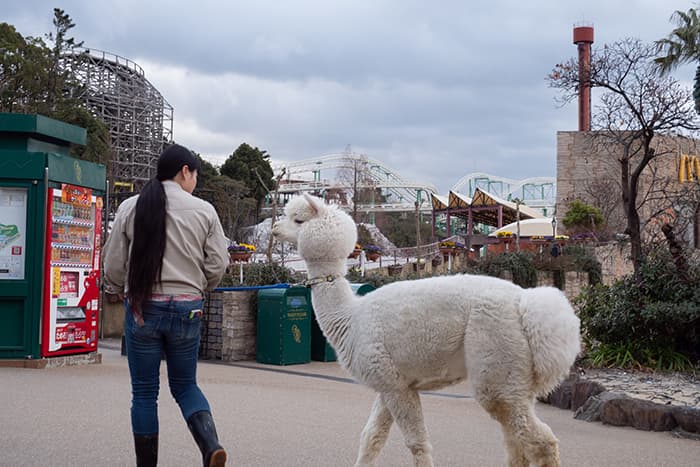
(301, 415)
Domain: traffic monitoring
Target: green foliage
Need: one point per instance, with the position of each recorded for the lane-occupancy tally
(62, 85)
(635, 355)
(24, 65)
(206, 173)
(98, 146)
(377, 280)
(613, 356)
(33, 82)
(582, 259)
(655, 317)
(261, 274)
(251, 165)
(520, 264)
(400, 229)
(583, 217)
(681, 46)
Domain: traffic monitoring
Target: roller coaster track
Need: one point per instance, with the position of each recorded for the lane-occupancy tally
(400, 194)
(535, 192)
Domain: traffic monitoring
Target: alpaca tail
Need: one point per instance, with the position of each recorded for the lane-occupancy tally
(553, 331)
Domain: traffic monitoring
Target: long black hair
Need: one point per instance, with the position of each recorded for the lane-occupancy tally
(148, 244)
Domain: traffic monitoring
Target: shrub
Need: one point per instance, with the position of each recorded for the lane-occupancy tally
(583, 260)
(519, 264)
(655, 319)
(376, 280)
(583, 217)
(261, 274)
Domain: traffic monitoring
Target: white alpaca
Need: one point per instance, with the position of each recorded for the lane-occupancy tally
(410, 336)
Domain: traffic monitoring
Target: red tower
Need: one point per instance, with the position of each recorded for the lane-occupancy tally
(583, 38)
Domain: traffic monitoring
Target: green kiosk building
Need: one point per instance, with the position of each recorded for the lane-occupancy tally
(50, 239)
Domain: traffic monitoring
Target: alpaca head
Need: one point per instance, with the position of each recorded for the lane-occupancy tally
(319, 231)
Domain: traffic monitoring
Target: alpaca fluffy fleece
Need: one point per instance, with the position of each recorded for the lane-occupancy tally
(408, 336)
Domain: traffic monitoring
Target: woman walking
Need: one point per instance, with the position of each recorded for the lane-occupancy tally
(166, 248)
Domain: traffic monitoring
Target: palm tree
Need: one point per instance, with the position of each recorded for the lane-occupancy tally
(682, 46)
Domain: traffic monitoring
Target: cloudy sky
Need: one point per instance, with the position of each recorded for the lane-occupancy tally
(435, 90)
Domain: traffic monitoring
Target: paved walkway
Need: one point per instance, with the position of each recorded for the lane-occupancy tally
(302, 415)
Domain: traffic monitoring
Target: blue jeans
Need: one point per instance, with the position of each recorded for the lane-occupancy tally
(168, 328)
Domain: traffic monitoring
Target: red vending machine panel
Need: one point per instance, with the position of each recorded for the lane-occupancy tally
(72, 276)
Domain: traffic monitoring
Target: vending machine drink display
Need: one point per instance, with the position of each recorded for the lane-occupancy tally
(71, 300)
(50, 238)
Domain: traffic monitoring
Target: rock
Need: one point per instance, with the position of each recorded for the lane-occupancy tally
(582, 391)
(561, 396)
(640, 414)
(688, 418)
(590, 410)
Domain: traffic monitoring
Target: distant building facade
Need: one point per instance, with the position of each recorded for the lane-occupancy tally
(588, 169)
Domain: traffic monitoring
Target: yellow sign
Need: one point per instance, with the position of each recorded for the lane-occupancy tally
(689, 168)
(55, 282)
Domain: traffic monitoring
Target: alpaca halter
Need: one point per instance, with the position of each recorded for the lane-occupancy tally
(320, 280)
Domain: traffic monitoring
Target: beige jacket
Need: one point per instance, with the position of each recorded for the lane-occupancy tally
(196, 253)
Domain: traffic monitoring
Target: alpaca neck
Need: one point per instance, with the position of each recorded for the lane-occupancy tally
(332, 303)
(326, 268)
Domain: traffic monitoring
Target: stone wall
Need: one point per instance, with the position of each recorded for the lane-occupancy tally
(614, 259)
(229, 326)
(587, 169)
(571, 282)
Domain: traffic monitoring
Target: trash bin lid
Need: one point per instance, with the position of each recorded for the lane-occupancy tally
(362, 289)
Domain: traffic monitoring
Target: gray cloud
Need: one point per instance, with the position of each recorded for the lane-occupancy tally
(433, 90)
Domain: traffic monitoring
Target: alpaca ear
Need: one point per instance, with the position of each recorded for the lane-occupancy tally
(315, 203)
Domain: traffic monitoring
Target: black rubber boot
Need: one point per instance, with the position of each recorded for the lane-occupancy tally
(201, 425)
(146, 450)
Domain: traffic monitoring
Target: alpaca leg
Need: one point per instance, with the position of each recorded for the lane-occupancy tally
(408, 413)
(541, 446)
(516, 456)
(375, 433)
(527, 438)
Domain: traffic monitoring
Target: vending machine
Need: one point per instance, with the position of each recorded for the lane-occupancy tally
(50, 238)
(72, 271)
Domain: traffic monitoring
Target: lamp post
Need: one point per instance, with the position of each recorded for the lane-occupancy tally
(555, 246)
(517, 218)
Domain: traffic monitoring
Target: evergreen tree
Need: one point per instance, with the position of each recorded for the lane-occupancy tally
(252, 167)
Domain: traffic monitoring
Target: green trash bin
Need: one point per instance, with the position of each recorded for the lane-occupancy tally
(321, 350)
(284, 326)
(362, 289)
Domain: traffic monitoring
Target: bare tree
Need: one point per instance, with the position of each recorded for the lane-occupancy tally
(599, 192)
(274, 194)
(636, 106)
